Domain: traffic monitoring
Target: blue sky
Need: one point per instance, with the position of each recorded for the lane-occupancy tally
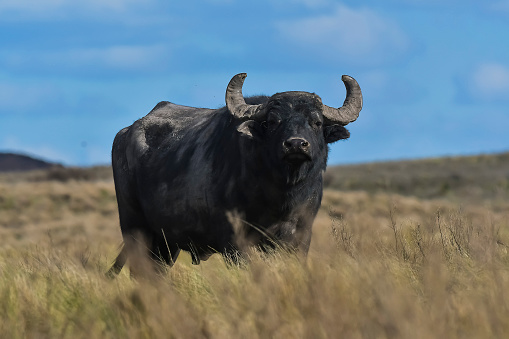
(434, 74)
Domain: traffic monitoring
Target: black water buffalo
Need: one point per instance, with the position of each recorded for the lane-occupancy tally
(182, 172)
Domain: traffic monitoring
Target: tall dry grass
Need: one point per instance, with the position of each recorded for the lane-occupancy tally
(380, 266)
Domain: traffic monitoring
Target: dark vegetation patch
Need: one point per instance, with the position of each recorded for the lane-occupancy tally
(61, 174)
(11, 162)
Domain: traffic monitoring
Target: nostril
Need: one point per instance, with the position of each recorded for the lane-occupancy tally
(296, 143)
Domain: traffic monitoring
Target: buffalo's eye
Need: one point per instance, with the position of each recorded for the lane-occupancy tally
(318, 123)
(273, 120)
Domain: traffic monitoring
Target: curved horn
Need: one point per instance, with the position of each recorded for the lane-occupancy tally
(351, 107)
(235, 100)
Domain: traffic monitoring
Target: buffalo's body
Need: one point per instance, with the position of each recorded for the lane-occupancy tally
(207, 181)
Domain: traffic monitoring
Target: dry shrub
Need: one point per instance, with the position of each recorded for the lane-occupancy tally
(30, 212)
(380, 265)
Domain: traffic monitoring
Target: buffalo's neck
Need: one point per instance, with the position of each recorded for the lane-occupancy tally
(278, 199)
(287, 196)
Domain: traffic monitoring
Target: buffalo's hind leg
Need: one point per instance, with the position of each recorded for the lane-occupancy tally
(119, 263)
(130, 247)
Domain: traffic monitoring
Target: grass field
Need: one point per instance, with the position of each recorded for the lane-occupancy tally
(383, 264)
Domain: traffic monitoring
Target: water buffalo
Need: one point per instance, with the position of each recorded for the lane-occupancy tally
(180, 172)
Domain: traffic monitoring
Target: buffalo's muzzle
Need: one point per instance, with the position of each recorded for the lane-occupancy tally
(296, 144)
(296, 150)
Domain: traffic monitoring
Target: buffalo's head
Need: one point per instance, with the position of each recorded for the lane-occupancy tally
(295, 127)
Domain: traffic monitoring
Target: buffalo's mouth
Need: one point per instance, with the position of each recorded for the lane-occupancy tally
(296, 158)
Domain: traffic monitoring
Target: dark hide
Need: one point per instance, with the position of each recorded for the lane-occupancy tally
(180, 171)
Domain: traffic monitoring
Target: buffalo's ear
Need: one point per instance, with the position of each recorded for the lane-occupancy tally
(334, 133)
(250, 129)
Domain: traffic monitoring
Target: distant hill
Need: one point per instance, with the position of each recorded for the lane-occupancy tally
(11, 162)
(474, 178)
(465, 177)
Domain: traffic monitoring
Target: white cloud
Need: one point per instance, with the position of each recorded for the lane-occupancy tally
(500, 6)
(55, 9)
(306, 3)
(354, 35)
(19, 97)
(489, 82)
(382, 87)
(497, 8)
(120, 57)
(221, 2)
(52, 5)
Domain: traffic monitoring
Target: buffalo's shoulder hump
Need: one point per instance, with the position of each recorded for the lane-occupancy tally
(256, 99)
